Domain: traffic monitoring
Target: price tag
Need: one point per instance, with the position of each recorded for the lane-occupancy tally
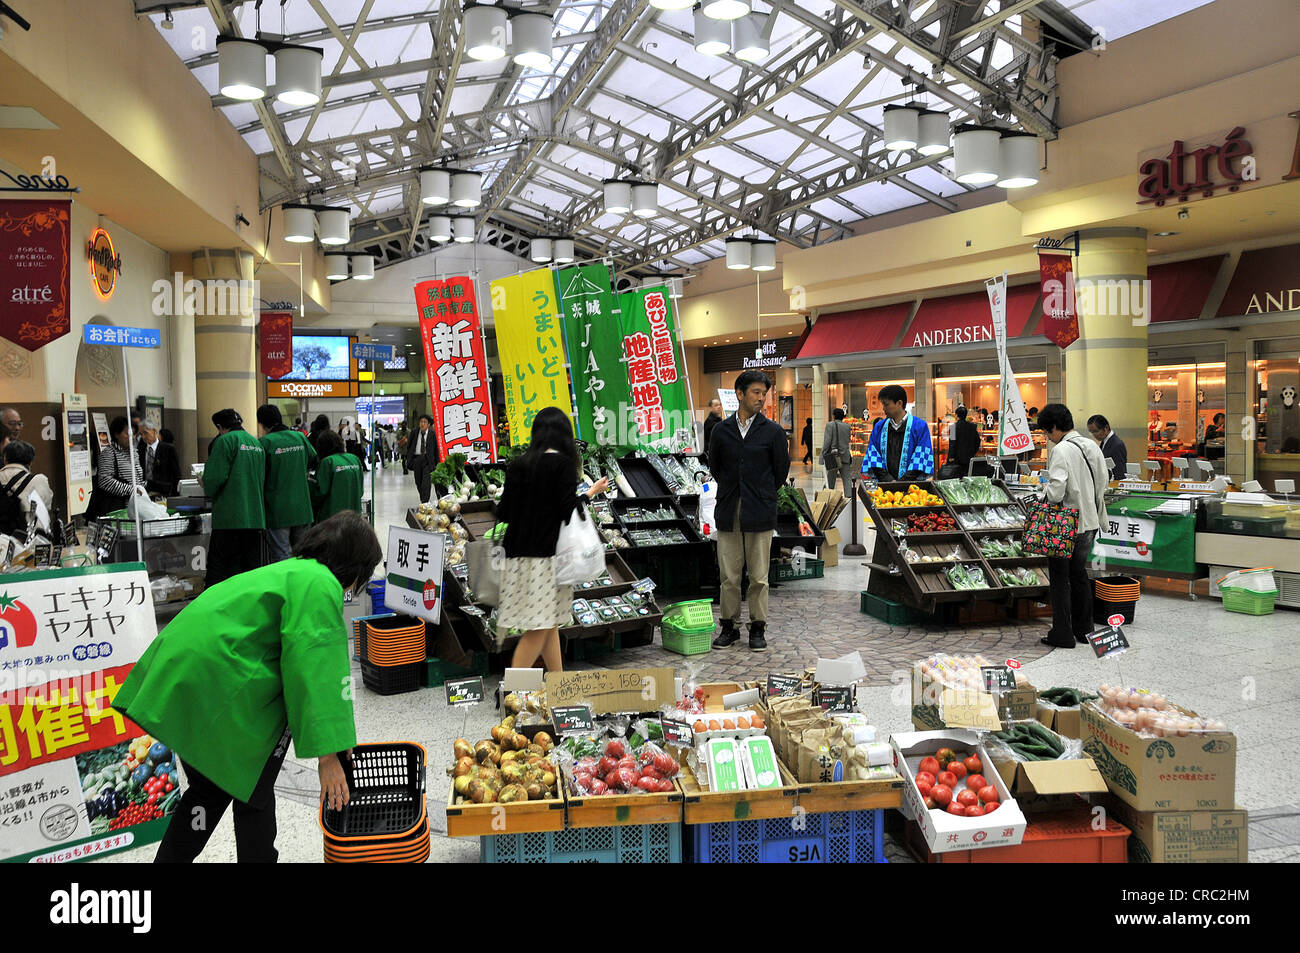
(1134, 485)
(834, 699)
(465, 691)
(69, 535)
(42, 554)
(473, 610)
(1109, 641)
(645, 586)
(783, 685)
(677, 732)
(998, 678)
(92, 536)
(107, 538)
(898, 527)
(575, 718)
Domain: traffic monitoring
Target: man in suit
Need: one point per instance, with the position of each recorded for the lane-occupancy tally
(836, 454)
(711, 421)
(422, 455)
(1111, 445)
(162, 465)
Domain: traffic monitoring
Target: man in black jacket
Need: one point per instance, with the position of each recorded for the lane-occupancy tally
(422, 455)
(711, 421)
(162, 465)
(750, 458)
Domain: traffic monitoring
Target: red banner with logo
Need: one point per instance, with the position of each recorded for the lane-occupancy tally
(1056, 281)
(276, 332)
(35, 280)
(457, 368)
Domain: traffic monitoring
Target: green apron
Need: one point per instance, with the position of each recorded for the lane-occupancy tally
(233, 478)
(288, 498)
(338, 485)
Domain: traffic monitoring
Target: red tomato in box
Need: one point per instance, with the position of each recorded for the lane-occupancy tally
(990, 807)
(947, 778)
(648, 784)
(988, 793)
(627, 778)
(958, 809)
(605, 765)
(944, 755)
(615, 749)
(930, 766)
(942, 794)
(974, 765)
(930, 804)
(926, 777)
(976, 781)
(957, 768)
(665, 787)
(974, 810)
(924, 788)
(967, 798)
(649, 772)
(598, 786)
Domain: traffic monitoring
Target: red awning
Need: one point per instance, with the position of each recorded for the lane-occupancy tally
(1179, 289)
(965, 319)
(851, 332)
(1266, 280)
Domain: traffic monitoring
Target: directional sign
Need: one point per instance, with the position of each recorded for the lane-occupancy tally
(379, 353)
(122, 337)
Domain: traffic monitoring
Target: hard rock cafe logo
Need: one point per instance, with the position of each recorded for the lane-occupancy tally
(105, 263)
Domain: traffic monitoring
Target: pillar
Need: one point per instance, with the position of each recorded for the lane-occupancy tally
(1106, 369)
(1238, 391)
(225, 340)
(820, 415)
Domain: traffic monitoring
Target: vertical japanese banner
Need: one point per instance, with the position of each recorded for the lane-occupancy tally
(1013, 425)
(531, 344)
(457, 368)
(593, 336)
(657, 381)
(69, 762)
(35, 273)
(275, 331)
(1056, 281)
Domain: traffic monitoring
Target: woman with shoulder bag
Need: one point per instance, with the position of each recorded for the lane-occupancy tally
(1076, 474)
(540, 495)
(113, 477)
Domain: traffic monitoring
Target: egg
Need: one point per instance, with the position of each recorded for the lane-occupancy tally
(713, 725)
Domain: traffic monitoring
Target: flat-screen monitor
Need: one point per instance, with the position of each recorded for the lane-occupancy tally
(322, 358)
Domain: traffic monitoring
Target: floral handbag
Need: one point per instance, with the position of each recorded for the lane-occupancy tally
(1050, 529)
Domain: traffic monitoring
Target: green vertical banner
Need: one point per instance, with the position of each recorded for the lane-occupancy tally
(593, 336)
(656, 377)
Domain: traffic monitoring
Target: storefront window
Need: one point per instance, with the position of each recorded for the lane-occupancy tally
(1277, 411)
(977, 386)
(858, 391)
(1186, 408)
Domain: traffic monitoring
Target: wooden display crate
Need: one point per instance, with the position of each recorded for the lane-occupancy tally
(616, 810)
(526, 817)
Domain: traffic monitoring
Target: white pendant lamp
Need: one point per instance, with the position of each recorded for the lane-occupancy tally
(297, 75)
(712, 36)
(466, 189)
(363, 268)
(762, 254)
(241, 68)
(563, 248)
(975, 155)
(462, 229)
(933, 135)
(530, 39)
(1018, 160)
(645, 200)
(618, 196)
(336, 267)
(747, 40)
(672, 4)
(725, 9)
(335, 227)
(902, 127)
(435, 186)
(440, 228)
(539, 250)
(299, 223)
(485, 32)
(739, 253)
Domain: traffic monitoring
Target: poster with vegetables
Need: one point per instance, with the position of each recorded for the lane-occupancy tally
(661, 410)
(457, 367)
(591, 330)
(77, 778)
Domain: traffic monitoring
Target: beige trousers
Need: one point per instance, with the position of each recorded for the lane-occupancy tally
(736, 551)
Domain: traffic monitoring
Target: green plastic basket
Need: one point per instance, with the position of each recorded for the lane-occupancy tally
(687, 627)
(1248, 601)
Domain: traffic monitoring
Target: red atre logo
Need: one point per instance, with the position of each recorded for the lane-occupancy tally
(1116, 620)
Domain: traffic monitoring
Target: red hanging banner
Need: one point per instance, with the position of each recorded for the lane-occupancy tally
(35, 280)
(457, 368)
(276, 331)
(1056, 280)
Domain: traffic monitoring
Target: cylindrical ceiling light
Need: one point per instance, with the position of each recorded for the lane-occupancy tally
(336, 267)
(531, 39)
(618, 196)
(435, 186)
(466, 189)
(672, 4)
(901, 127)
(539, 250)
(299, 223)
(725, 9)
(485, 32)
(297, 75)
(563, 250)
(363, 268)
(747, 40)
(440, 228)
(712, 37)
(335, 227)
(975, 154)
(739, 253)
(1018, 160)
(762, 254)
(645, 200)
(933, 137)
(462, 229)
(241, 68)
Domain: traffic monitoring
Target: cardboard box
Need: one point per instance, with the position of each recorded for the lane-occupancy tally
(1184, 837)
(936, 706)
(609, 691)
(1066, 722)
(1192, 773)
(1040, 786)
(830, 551)
(942, 831)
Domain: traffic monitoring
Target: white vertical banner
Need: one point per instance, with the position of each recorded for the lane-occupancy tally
(1013, 425)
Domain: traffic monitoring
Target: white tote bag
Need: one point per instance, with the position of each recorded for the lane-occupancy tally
(580, 552)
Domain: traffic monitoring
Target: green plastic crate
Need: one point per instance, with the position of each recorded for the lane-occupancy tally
(1248, 601)
(890, 612)
(786, 572)
(687, 627)
(435, 671)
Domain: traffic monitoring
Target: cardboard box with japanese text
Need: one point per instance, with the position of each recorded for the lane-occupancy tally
(1184, 837)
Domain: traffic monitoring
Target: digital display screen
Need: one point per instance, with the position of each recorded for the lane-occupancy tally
(321, 358)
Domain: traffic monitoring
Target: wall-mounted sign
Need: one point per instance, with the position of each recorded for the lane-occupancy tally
(275, 332)
(1224, 162)
(311, 389)
(35, 246)
(741, 357)
(1267, 280)
(105, 263)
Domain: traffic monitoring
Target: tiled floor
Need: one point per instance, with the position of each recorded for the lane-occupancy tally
(1239, 668)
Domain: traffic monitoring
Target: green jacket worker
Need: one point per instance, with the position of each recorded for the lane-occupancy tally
(288, 495)
(338, 478)
(252, 662)
(233, 479)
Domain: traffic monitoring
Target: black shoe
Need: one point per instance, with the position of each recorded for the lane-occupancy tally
(756, 641)
(1081, 639)
(728, 636)
(1056, 645)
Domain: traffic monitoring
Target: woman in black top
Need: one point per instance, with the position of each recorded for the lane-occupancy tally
(113, 477)
(540, 496)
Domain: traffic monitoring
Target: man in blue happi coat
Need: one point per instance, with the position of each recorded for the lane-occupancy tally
(900, 448)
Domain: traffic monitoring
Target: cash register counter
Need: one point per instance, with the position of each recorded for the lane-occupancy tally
(175, 550)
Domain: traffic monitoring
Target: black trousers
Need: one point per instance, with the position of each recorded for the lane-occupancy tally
(201, 808)
(1071, 591)
(232, 551)
(423, 478)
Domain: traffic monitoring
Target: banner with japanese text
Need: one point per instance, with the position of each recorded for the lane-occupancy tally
(530, 341)
(661, 412)
(70, 780)
(1056, 281)
(1013, 424)
(457, 367)
(35, 271)
(275, 334)
(593, 336)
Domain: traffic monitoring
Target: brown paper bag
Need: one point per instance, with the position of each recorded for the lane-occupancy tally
(819, 751)
(793, 732)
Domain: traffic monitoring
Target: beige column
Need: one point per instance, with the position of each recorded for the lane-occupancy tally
(820, 416)
(225, 340)
(1239, 383)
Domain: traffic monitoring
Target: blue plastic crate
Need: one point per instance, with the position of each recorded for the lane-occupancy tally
(848, 837)
(632, 844)
(377, 589)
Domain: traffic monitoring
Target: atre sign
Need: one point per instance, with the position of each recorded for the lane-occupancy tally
(105, 263)
(1224, 164)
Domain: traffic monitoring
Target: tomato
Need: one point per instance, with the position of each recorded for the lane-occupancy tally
(988, 793)
(957, 809)
(990, 807)
(976, 781)
(653, 773)
(967, 798)
(627, 761)
(929, 766)
(974, 810)
(169, 787)
(924, 787)
(615, 749)
(957, 769)
(152, 799)
(942, 794)
(627, 778)
(944, 755)
(948, 778)
(930, 804)
(974, 765)
(18, 624)
(666, 787)
(599, 787)
(927, 777)
(648, 784)
(582, 779)
(664, 763)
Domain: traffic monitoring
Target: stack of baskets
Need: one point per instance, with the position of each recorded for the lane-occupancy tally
(688, 627)
(386, 820)
(1249, 591)
(1116, 595)
(392, 653)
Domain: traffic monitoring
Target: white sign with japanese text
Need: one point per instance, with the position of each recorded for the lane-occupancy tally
(1125, 537)
(414, 581)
